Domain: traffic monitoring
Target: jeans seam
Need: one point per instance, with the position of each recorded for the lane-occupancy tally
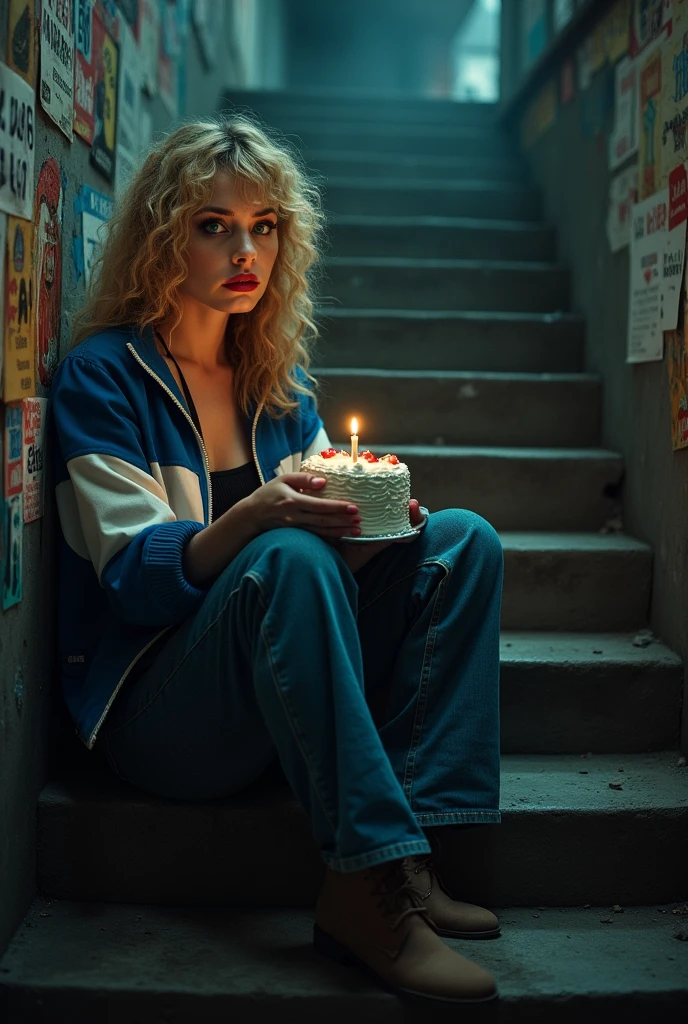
(423, 686)
(179, 664)
(287, 710)
(421, 565)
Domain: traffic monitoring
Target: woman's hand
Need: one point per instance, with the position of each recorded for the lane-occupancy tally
(293, 499)
(357, 555)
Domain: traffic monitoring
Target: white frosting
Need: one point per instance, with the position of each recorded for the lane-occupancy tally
(380, 490)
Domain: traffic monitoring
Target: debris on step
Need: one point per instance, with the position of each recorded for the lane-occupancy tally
(644, 638)
(613, 524)
(682, 762)
(615, 785)
(616, 909)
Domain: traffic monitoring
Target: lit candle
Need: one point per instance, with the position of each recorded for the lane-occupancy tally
(354, 440)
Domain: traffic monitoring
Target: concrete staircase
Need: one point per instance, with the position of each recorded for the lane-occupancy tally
(447, 324)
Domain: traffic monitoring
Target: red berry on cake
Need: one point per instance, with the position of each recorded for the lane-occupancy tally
(328, 453)
(392, 459)
(368, 456)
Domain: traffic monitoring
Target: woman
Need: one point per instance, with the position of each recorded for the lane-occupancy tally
(212, 617)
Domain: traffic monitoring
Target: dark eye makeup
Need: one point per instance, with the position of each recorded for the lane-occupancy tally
(203, 226)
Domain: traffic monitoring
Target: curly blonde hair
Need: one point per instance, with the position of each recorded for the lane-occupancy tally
(141, 264)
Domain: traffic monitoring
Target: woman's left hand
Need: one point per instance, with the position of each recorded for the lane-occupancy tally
(357, 555)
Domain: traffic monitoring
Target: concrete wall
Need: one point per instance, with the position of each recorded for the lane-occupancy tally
(569, 164)
(35, 731)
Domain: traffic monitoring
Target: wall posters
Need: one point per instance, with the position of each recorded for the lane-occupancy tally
(17, 142)
(623, 141)
(149, 44)
(650, 123)
(3, 253)
(57, 62)
(675, 93)
(95, 209)
(84, 70)
(48, 264)
(105, 59)
(651, 21)
(13, 536)
(645, 341)
(19, 377)
(128, 109)
(675, 247)
(33, 456)
(677, 373)
(540, 116)
(21, 35)
(168, 58)
(13, 449)
(623, 194)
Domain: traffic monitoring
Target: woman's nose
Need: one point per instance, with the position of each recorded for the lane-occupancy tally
(245, 249)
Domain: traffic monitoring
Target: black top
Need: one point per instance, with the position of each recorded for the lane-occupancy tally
(227, 486)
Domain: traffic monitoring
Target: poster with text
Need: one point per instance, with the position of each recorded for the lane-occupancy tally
(651, 21)
(648, 242)
(675, 93)
(48, 267)
(21, 40)
(13, 536)
(19, 378)
(128, 110)
(33, 457)
(149, 44)
(84, 70)
(95, 210)
(623, 195)
(57, 63)
(13, 475)
(3, 255)
(650, 123)
(17, 144)
(106, 62)
(677, 373)
(623, 141)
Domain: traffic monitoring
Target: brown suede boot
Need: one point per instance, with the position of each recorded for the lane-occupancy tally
(376, 921)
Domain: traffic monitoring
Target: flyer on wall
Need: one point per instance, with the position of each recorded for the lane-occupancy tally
(649, 227)
(21, 47)
(84, 70)
(13, 536)
(48, 267)
(623, 194)
(106, 62)
(33, 457)
(677, 372)
(57, 63)
(17, 144)
(19, 375)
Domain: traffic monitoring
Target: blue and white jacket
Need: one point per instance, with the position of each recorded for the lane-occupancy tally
(132, 485)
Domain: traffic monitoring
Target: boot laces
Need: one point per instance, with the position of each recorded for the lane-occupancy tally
(395, 889)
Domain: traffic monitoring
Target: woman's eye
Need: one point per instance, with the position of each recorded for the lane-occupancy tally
(208, 224)
(266, 224)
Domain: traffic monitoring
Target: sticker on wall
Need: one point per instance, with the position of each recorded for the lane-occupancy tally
(19, 377)
(148, 35)
(84, 70)
(94, 210)
(17, 142)
(21, 40)
(57, 63)
(540, 116)
(33, 456)
(13, 449)
(650, 123)
(48, 264)
(677, 373)
(623, 141)
(13, 536)
(648, 241)
(128, 110)
(651, 21)
(106, 59)
(623, 194)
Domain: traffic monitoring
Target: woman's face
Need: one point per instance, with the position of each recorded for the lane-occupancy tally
(230, 239)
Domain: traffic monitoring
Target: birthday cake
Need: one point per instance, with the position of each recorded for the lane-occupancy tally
(379, 487)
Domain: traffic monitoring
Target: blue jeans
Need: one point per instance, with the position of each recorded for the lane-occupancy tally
(378, 692)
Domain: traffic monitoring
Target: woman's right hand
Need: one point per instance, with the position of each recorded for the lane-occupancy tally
(293, 499)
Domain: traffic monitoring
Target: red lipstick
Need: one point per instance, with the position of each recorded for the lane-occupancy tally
(242, 283)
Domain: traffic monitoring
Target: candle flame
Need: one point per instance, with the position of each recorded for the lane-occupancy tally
(354, 426)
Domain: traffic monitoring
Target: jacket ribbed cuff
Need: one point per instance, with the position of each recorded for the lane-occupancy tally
(164, 557)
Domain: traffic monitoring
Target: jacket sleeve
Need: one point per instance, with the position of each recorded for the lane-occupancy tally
(314, 436)
(112, 509)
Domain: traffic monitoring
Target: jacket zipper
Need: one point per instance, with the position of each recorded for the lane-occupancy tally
(179, 405)
(253, 441)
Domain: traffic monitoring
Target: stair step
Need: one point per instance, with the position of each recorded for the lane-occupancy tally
(575, 581)
(503, 200)
(406, 339)
(460, 407)
(514, 488)
(276, 106)
(440, 237)
(390, 138)
(133, 964)
(579, 692)
(563, 839)
(485, 285)
(342, 162)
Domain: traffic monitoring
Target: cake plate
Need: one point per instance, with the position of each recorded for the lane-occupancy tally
(413, 532)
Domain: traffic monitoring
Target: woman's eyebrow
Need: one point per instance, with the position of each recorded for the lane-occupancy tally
(230, 213)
